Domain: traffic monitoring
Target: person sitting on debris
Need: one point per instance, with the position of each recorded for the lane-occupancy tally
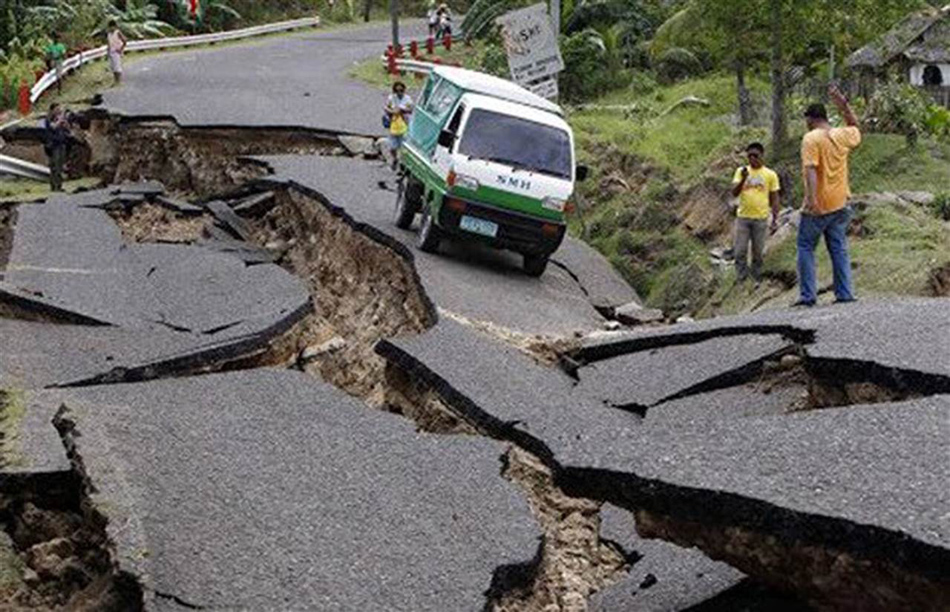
(117, 43)
(398, 111)
(55, 143)
(757, 188)
(55, 55)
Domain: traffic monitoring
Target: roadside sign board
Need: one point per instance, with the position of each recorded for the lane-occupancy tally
(531, 44)
(546, 88)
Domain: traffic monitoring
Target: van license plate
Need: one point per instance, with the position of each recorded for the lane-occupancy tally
(479, 226)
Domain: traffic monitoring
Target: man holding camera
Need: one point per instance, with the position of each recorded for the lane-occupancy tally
(757, 188)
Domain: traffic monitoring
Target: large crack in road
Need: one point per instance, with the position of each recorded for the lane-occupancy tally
(587, 422)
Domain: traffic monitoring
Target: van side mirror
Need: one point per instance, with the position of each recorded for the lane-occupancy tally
(580, 173)
(446, 139)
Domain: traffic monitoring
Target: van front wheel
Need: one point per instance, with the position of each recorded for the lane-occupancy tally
(408, 198)
(429, 237)
(534, 265)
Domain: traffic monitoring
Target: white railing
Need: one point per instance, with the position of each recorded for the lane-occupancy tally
(82, 58)
(18, 167)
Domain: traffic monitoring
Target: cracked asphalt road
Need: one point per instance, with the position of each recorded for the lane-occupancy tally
(293, 80)
(479, 283)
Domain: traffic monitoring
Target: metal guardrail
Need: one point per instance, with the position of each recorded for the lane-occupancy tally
(84, 57)
(408, 65)
(18, 167)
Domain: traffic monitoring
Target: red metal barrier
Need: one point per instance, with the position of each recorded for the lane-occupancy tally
(391, 63)
(414, 49)
(430, 45)
(447, 42)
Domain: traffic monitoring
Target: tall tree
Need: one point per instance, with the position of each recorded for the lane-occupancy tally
(779, 127)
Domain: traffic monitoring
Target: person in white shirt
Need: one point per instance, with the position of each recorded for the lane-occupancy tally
(116, 47)
(398, 111)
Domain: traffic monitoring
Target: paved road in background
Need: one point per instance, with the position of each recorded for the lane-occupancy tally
(298, 80)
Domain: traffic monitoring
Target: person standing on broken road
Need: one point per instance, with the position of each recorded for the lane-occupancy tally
(825, 210)
(397, 113)
(116, 44)
(55, 143)
(757, 188)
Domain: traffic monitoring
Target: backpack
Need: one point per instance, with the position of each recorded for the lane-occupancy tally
(387, 120)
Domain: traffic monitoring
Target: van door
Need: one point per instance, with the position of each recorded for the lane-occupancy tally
(442, 158)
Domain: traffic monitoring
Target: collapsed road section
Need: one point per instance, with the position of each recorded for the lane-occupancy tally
(782, 457)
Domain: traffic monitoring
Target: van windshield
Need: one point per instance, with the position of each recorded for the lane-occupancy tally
(517, 142)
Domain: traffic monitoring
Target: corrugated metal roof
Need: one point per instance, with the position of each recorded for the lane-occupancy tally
(898, 40)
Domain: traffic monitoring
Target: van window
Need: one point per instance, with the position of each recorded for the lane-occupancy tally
(456, 119)
(442, 99)
(427, 91)
(517, 142)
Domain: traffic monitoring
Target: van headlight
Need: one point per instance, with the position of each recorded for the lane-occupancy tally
(554, 204)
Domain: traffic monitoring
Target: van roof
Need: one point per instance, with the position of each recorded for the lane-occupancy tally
(479, 82)
(505, 107)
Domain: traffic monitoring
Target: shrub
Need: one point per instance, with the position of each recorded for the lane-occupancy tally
(941, 206)
(494, 61)
(937, 121)
(899, 108)
(675, 64)
(586, 73)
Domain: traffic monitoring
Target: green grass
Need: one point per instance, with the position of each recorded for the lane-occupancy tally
(23, 190)
(684, 141)
(373, 71)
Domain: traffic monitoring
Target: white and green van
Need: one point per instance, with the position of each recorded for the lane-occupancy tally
(489, 161)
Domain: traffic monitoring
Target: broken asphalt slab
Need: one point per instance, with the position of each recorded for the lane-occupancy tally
(865, 482)
(646, 378)
(470, 280)
(268, 489)
(903, 335)
(856, 496)
(73, 260)
(663, 576)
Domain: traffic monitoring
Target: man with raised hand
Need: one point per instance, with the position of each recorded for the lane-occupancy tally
(825, 210)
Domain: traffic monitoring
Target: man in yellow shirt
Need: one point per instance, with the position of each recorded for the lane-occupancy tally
(825, 210)
(757, 188)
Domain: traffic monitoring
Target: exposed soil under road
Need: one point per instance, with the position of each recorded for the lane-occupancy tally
(7, 221)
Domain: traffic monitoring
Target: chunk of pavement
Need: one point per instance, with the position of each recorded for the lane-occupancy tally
(30, 444)
(921, 198)
(256, 205)
(265, 487)
(663, 576)
(229, 220)
(31, 305)
(846, 508)
(504, 392)
(382, 146)
(249, 253)
(749, 400)
(359, 145)
(645, 378)
(201, 290)
(144, 188)
(868, 337)
(633, 313)
(179, 206)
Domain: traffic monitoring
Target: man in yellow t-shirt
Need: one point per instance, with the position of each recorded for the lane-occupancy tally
(825, 210)
(757, 188)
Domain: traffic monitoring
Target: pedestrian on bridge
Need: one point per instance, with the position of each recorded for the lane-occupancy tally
(116, 46)
(757, 188)
(825, 210)
(398, 112)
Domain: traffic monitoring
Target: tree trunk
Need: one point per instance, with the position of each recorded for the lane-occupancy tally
(745, 101)
(367, 8)
(779, 129)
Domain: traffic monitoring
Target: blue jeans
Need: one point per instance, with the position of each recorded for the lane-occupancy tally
(834, 227)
